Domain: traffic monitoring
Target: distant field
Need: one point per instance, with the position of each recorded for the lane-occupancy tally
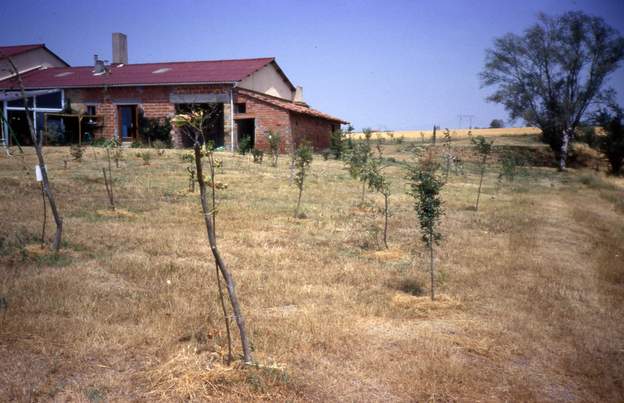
(417, 134)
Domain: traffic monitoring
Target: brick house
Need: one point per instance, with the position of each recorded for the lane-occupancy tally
(248, 97)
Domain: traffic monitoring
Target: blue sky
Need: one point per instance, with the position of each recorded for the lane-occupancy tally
(384, 64)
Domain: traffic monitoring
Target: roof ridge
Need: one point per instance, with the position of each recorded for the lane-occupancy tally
(268, 59)
(26, 44)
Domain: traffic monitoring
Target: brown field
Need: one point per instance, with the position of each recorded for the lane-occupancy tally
(455, 133)
(530, 306)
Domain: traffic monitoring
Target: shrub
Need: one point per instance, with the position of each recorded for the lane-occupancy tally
(245, 145)
(497, 124)
(146, 156)
(155, 129)
(325, 153)
(612, 145)
(258, 155)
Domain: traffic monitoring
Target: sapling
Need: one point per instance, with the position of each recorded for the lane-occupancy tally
(38, 145)
(357, 158)
(484, 148)
(108, 181)
(302, 160)
(274, 140)
(194, 125)
(379, 183)
(424, 186)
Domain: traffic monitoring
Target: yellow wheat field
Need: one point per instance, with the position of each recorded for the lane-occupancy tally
(455, 133)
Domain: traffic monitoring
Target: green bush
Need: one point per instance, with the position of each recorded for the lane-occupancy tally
(258, 155)
(155, 129)
(245, 145)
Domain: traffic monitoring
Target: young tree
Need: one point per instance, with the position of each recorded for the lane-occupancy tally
(378, 182)
(336, 143)
(195, 124)
(38, 146)
(612, 144)
(274, 140)
(302, 160)
(551, 75)
(484, 148)
(357, 157)
(424, 187)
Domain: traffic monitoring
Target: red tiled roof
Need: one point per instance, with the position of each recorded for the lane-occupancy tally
(215, 71)
(289, 105)
(8, 51)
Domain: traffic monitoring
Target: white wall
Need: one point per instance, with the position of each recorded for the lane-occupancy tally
(268, 81)
(29, 60)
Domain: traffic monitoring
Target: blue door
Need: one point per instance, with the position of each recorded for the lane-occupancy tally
(127, 122)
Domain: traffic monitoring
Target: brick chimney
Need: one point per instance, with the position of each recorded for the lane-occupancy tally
(298, 98)
(120, 48)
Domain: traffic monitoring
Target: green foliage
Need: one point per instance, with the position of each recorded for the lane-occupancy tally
(146, 156)
(245, 145)
(337, 143)
(258, 155)
(155, 129)
(612, 145)
(483, 147)
(512, 165)
(274, 140)
(302, 159)
(136, 144)
(551, 74)
(497, 124)
(424, 187)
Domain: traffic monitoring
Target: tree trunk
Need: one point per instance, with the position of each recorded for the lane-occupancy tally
(431, 263)
(385, 236)
(565, 144)
(298, 202)
(37, 143)
(214, 229)
(229, 281)
(480, 183)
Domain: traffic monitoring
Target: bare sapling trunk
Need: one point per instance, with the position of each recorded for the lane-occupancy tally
(226, 317)
(45, 217)
(385, 234)
(480, 181)
(108, 182)
(431, 263)
(229, 281)
(37, 143)
(298, 202)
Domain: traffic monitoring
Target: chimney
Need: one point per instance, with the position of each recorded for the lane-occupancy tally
(298, 99)
(120, 48)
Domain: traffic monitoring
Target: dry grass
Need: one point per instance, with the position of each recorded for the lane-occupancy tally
(530, 303)
(455, 133)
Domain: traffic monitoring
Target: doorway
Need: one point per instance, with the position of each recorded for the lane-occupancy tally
(246, 129)
(128, 124)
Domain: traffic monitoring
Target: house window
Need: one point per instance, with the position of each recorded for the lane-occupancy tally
(91, 110)
(240, 107)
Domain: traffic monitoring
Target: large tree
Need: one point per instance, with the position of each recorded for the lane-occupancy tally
(552, 74)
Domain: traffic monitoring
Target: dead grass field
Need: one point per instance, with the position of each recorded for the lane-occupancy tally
(530, 308)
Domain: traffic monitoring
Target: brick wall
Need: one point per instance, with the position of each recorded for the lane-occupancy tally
(314, 130)
(267, 117)
(153, 101)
